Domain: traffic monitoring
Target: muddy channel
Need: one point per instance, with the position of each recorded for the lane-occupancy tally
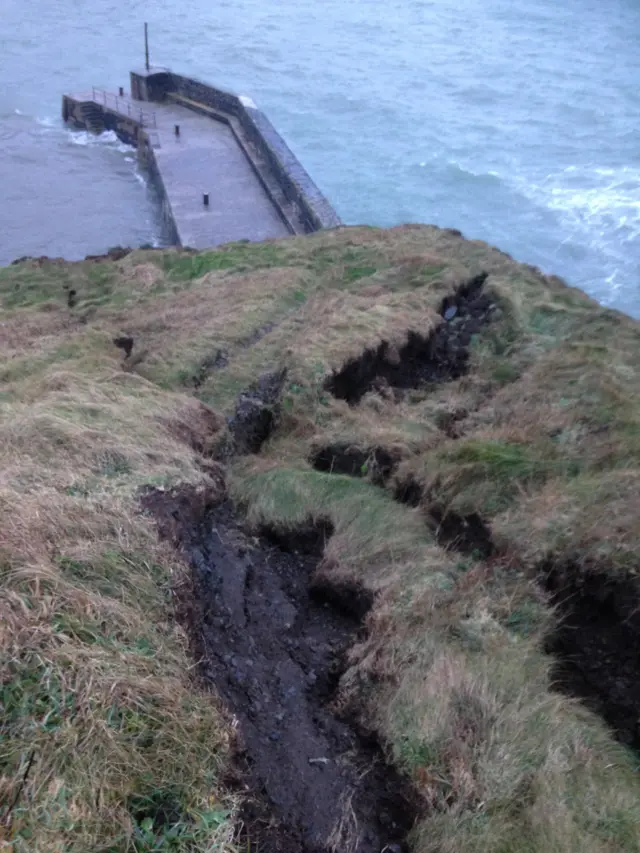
(272, 642)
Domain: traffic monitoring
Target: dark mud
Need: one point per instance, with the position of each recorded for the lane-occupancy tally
(377, 463)
(597, 644)
(257, 414)
(467, 534)
(125, 343)
(115, 253)
(441, 356)
(408, 491)
(272, 641)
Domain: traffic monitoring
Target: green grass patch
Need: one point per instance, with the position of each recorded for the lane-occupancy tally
(506, 462)
(373, 522)
(357, 261)
(486, 476)
(504, 372)
(24, 285)
(235, 256)
(117, 574)
(33, 696)
(355, 273)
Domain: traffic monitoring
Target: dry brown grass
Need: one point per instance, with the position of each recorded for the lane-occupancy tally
(94, 690)
(451, 672)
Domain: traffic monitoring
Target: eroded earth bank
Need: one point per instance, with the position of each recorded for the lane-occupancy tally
(326, 544)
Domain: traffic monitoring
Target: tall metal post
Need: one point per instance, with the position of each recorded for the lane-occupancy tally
(146, 45)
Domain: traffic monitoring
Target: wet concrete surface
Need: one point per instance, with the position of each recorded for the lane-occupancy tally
(203, 158)
(206, 158)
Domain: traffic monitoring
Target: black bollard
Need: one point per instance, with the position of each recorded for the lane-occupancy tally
(121, 92)
(177, 129)
(205, 199)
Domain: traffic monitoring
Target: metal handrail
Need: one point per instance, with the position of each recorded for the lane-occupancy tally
(124, 106)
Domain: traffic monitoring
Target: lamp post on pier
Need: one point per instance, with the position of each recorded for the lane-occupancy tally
(146, 45)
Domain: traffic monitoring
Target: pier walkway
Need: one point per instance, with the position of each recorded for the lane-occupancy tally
(206, 158)
(212, 154)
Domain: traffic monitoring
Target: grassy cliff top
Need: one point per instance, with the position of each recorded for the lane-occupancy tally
(470, 429)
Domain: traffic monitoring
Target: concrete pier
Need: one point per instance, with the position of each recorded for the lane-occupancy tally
(198, 141)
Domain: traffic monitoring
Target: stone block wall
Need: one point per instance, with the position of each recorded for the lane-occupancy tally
(98, 118)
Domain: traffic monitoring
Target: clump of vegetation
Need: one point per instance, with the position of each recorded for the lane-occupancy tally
(107, 743)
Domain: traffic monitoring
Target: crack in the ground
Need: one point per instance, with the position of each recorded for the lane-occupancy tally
(441, 356)
(468, 534)
(256, 414)
(355, 461)
(272, 641)
(596, 643)
(220, 359)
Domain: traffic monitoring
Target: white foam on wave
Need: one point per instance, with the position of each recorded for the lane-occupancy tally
(599, 207)
(465, 170)
(599, 197)
(48, 122)
(108, 139)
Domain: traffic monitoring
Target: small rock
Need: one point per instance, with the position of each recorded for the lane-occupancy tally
(451, 312)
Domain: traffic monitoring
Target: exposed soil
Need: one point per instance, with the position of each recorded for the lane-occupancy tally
(440, 356)
(37, 261)
(257, 412)
(272, 641)
(116, 253)
(465, 533)
(355, 461)
(597, 644)
(408, 491)
(257, 335)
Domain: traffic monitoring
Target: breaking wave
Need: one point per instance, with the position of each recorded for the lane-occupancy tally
(108, 138)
